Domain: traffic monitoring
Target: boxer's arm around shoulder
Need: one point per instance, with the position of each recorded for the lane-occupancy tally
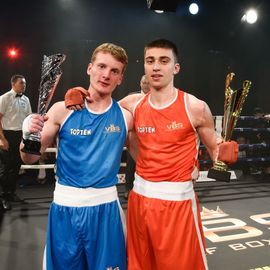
(130, 101)
(202, 120)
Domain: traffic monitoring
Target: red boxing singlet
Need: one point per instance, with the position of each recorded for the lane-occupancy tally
(168, 143)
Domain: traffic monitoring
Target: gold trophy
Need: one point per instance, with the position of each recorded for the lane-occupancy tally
(233, 104)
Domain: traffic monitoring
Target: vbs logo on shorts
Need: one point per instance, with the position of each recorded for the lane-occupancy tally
(110, 268)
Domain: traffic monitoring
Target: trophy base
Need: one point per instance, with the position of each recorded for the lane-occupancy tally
(223, 176)
(31, 147)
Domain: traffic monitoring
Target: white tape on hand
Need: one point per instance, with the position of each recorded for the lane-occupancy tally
(25, 127)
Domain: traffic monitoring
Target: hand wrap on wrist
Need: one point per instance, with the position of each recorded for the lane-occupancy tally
(25, 127)
(228, 152)
(75, 96)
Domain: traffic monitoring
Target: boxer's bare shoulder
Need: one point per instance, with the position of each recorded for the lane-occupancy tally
(129, 102)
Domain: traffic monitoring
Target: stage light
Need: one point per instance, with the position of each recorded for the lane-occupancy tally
(193, 8)
(159, 11)
(12, 53)
(250, 16)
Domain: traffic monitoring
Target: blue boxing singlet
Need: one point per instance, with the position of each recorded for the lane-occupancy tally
(90, 147)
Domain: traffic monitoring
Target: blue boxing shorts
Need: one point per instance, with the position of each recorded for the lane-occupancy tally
(86, 230)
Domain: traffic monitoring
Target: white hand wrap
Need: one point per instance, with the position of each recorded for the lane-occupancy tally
(25, 127)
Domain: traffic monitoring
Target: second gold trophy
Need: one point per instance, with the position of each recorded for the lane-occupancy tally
(233, 104)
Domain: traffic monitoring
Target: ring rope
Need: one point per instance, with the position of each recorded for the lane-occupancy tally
(240, 161)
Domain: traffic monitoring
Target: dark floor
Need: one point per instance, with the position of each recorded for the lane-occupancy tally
(242, 244)
(237, 236)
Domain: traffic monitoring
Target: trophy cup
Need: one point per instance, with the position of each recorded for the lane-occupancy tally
(50, 76)
(234, 101)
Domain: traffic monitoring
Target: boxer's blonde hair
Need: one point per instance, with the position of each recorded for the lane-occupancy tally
(116, 51)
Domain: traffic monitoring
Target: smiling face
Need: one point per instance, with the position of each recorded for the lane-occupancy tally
(106, 73)
(160, 67)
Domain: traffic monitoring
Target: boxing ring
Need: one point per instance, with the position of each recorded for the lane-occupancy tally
(235, 215)
(252, 134)
(121, 176)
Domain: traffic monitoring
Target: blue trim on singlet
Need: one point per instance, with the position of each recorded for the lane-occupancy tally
(90, 148)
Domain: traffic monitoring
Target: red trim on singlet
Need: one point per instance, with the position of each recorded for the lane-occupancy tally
(168, 143)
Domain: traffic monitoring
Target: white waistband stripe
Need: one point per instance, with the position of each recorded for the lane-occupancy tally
(79, 197)
(173, 191)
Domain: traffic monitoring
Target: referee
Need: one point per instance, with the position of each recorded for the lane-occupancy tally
(14, 107)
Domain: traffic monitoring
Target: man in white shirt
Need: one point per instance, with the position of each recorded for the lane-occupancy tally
(14, 107)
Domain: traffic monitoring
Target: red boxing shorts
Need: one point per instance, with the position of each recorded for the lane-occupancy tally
(164, 227)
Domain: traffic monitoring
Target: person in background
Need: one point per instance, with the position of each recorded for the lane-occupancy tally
(14, 108)
(144, 84)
